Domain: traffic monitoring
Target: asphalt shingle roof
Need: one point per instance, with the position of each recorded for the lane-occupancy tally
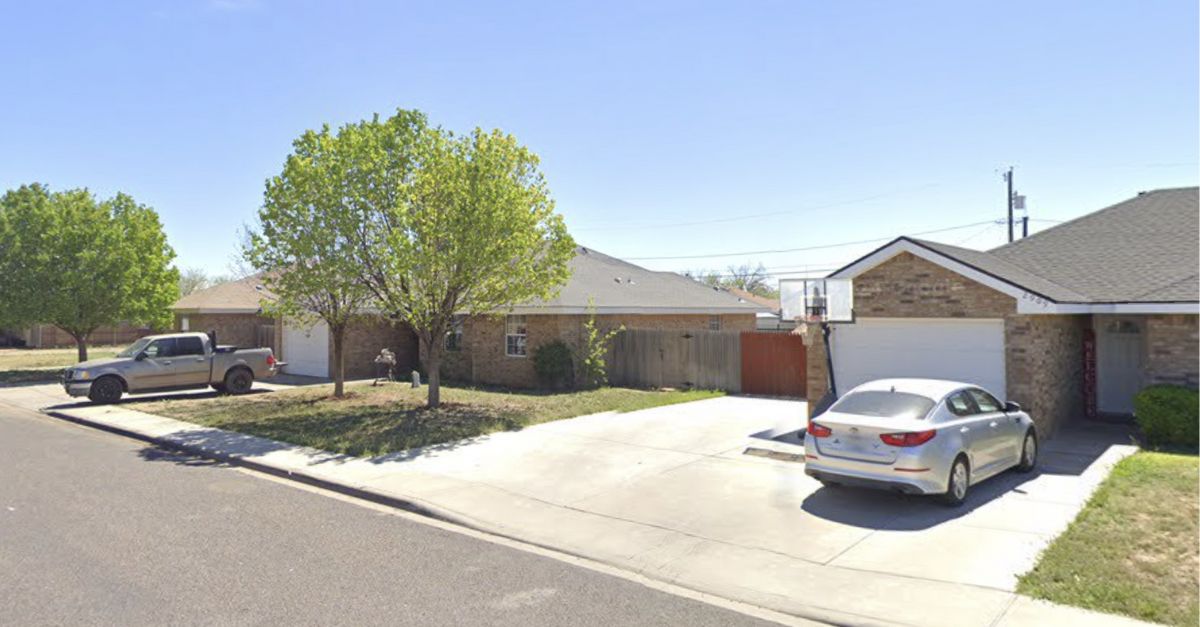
(244, 295)
(613, 284)
(596, 279)
(1144, 249)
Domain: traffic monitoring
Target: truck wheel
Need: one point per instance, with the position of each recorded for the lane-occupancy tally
(106, 390)
(238, 381)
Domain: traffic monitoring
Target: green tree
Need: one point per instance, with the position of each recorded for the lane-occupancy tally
(450, 224)
(301, 243)
(70, 260)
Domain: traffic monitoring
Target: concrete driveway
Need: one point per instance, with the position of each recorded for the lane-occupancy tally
(671, 493)
(684, 468)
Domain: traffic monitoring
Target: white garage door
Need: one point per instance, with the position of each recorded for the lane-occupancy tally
(306, 350)
(968, 350)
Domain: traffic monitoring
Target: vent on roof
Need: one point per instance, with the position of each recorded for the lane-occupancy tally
(259, 288)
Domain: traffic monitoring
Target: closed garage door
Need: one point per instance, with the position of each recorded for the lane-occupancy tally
(306, 350)
(968, 350)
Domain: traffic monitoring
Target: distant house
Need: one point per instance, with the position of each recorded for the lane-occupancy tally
(495, 349)
(1068, 322)
(771, 320)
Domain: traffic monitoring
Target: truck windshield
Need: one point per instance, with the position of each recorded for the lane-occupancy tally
(884, 404)
(135, 348)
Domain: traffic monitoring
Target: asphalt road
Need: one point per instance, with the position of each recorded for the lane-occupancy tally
(100, 529)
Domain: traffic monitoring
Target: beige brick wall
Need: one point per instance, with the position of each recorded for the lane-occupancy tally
(1044, 366)
(234, 329)
(1043, 354)
(1172, 349)
(907, 286)
(366, 336)
(482, 359)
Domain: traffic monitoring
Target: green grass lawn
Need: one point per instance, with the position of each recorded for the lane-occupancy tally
(1133, 550)
(42, 365)
(377, 420)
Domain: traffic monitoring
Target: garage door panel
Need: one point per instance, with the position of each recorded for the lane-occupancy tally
(963, 350)
(306, 349)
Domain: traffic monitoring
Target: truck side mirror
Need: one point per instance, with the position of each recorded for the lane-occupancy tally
(139, 357)
(1011, 407)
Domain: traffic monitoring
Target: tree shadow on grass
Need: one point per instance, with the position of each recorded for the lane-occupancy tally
(373, 430)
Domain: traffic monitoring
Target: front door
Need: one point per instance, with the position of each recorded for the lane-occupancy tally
(1119, 348)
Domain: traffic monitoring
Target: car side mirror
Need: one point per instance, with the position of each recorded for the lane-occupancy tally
(1011, 407)
(139, 357)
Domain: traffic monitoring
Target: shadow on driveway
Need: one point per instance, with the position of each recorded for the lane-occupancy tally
(1070, 454)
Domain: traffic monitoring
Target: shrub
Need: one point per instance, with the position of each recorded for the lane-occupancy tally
(1169, 415)
(553, 364)
(595, 347)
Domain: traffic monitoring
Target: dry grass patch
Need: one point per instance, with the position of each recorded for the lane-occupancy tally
(1134, 549)
(42, 365)
(378, 420)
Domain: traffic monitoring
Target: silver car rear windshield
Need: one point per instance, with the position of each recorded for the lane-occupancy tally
(884, 404)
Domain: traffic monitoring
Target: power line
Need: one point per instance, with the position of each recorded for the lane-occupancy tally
(804, 248)
(754, 216)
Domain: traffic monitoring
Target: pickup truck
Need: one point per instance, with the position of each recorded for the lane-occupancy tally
(177, 361)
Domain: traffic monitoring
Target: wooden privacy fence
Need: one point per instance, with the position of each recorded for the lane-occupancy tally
(753, 363)
(679, 359)
(774, 364)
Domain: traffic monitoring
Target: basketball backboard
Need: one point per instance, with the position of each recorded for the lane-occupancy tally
(830, 300)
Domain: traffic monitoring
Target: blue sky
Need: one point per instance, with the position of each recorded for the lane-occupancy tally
(665, 129)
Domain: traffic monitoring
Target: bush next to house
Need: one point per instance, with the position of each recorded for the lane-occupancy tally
(1169, 415)
(553, 364)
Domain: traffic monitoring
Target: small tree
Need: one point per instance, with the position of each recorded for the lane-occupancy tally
(593, 361)
(451, 224)
(69, 260)
(301, 244)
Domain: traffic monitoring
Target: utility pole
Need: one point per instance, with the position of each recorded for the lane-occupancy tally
(1008, 178)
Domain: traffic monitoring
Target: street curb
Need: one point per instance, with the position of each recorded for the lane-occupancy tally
(300, 477)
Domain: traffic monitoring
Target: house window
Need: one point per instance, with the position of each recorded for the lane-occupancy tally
(183, 323)
(514, 336)
(454, 335)
(714, 323)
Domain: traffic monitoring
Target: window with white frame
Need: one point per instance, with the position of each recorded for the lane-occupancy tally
(714, 323)
(454, 334)
(514, 336)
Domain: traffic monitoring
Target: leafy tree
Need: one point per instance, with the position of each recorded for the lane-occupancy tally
(301, 244)
(196, 279)
(70, 260)
(450, 224)
(752, 278)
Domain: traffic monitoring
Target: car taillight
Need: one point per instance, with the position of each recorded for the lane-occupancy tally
(270, 360)
(819, 430)
(912, 438)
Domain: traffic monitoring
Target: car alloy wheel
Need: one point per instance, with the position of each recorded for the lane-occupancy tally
(105, 390)
(239, 381)
(1028, 453)
(959, 483)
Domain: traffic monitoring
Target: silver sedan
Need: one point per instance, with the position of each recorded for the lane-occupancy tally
(919, 436)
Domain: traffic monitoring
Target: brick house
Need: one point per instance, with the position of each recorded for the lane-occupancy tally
(234, 310)
(498, 349)
(1069, 322)
(490, 349)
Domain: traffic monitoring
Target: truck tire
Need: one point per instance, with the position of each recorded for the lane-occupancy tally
(106, 390)
(238, 381)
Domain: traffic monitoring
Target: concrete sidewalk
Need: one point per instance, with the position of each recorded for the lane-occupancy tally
(569, 514)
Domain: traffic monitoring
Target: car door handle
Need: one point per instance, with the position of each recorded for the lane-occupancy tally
(964, 429)
(166, 362)
(994, 424)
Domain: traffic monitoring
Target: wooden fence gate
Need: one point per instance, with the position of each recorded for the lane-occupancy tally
(774, 364)
(679, 359)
